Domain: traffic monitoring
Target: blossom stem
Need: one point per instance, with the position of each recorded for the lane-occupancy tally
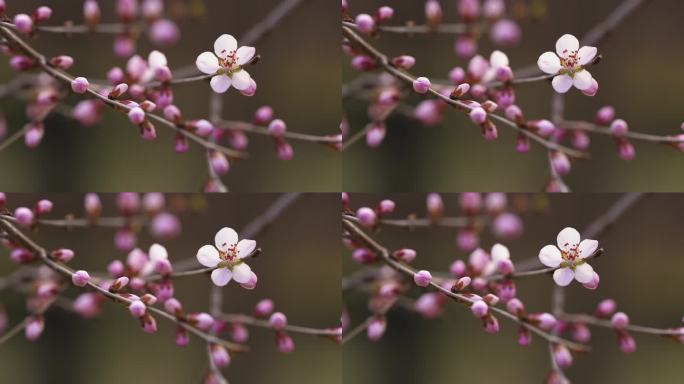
(606, 323)
(381, 251)
(67, 78)
(590, 127)
(411, 29)
(109, 28)
(19, 237)
(451, 222)
(253, 321)
(408, 78)
(252, 128)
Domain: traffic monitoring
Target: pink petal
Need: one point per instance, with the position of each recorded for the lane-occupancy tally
(561, 83)
(225, 238)
(500, 252)
(563, 276)
(587, 247)
(207, 63)
(245, 247)
(245, 54)
(586, 55)
(584, 273)
(241, 80)
(549, 63)
(224, 45)
(220, 83)
(550, 256)
(208, 256)
(566, 44)
(567, 238)
(242, 273)
(221, 276)
(582, 80)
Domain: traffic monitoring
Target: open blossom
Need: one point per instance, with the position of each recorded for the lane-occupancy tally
(569, 257)
(227, 64)
(568, 64)
(227, 257)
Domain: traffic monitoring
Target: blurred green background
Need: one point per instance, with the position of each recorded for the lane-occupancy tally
(297, 76)
(299, 269)
(641, 270)
(639, 76)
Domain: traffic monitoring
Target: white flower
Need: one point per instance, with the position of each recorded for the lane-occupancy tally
(155, 60)
(569, 257)
(499, 256)
(157, 252)
(568, 64)
(497, 60)
(226, 64)
(227, 257)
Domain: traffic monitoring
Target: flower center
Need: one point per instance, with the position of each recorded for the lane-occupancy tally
(229, 64)
(571, 254)
(230, 254)
(570, 62)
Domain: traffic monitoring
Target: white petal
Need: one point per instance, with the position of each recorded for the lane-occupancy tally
(225, 238)
(582, 80)
(584, 273)
(241, 80)
(224, 45)
(550, 256)
(207, 63)
(563, 276)
(158, 252)
(208, 256)
(156, 59)
(561, 83)
(220, 83)
(587, 248)
(498, 59)
(500, 252)
(586, 55)
(245, 54)
(245, 247)
(221, 276)
(242, 273)
(549, 63)
(567, 238)
(566, 44)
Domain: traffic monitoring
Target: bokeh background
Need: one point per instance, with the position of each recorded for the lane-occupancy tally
(638, 76)
(298, 75)
(640, 269)
(299, 269)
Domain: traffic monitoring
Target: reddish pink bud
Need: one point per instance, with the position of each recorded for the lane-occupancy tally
(149, 324)
(277, 128)
(365, 23)
(562, 356)
(435, 205)
(479, 308)
(620, 320)
(422, 278)
(21, 63)
(386, 206)
(182, 337)
(42, 14)
(263, 308)
(115, 268)
(220, 356)
(263, 115)
(606, 308)
(24, 216)
(34, 327)
(62, 62)
(421, 85)
(23, 23)
(278, 321)
(80, 278)
(284, 343)
(405, 254)
(376, 328)
(404, 62)
(433, 12)
(627, 343)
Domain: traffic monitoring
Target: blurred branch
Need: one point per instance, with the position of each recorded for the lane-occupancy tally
(253, 321)
(19, 237)
(382, 60)
(595, 321)
(66, 78)
(593, 128)
(244, 126)
(381, 251)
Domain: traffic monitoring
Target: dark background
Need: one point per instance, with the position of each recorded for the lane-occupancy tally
(639, 76)
(294, 77)
(299, 269)
(640, 269)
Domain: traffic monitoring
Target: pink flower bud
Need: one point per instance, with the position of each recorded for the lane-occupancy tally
(163, 32)
(34, 327)
(136, 115)
(435, 205)
(263, 308)
(421, 85)
(462, 283)
(263, 115)
(42, 207)
(165, 226)
(386, 206)
(62, 255)
(87, 305)
(593, 284)
(505, 32)
(457, 76)
(366, 216)
(384, 13)
(201, 127)
(79, 85)
(422, 278)
(560, 163)
(115, 268)
(625, 150)
(605, 115)
(365, 23)
(220, 355)
(23, 23)
(42, 14)
(251, 283)
(544, 128)
(433, 12)
(119, 283)
(21, 256)
(468, 10)
(581, 333)
(593, 89)
(479, 308)
(466, 239)
(507, 225)
(239, 333)
(91, 12)
(284, 343)
(404, 62)
(277, 128)
(627, 343)
(182, 337)
(406, 255)
(137, 308)
(376, 134)
(62, 62)
(606, 308)
(21, 63)
(470, 202)
(524, 337)
(562, 356)
(149, 324)
(34, 134)
(620, 320)
(219, 163)
(277, 321)
(478, 115)
(24, 216)
(203, 321)
(363, 256)
(376, 328)
(126, 9)
(516, 307)
(546, 321)
(619, 127)
(80, 278)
